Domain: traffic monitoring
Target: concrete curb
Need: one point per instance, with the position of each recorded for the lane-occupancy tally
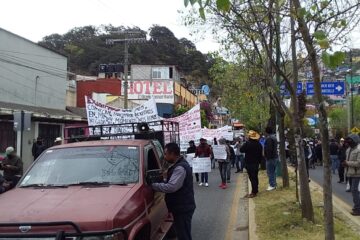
(252, 222)
(240, 227)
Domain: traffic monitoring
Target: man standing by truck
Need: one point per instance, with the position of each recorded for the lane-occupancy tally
(179, 191)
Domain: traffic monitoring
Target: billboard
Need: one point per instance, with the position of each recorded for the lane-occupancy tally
(162, 91)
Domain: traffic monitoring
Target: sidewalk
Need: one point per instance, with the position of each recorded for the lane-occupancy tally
(279, 210)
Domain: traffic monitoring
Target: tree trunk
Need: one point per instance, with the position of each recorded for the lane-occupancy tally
(293, 159)
(327, 187)
(285, 174)
(305, 195)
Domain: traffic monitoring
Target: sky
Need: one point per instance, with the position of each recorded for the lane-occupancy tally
(34, 19)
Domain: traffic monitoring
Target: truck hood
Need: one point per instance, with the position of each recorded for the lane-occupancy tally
(92, 208)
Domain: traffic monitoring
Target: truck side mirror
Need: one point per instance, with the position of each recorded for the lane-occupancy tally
(154, 176)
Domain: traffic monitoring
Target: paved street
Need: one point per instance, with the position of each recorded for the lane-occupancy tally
(338, 189)
(216, 208)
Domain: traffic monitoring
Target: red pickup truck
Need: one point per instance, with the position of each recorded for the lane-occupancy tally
(92, 190)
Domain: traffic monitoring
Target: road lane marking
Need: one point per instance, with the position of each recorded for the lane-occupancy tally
(233, 210)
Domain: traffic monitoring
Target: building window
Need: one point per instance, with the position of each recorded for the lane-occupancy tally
(156, 74)
(160, 73)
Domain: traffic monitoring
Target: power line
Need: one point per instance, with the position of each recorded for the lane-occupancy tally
(24, 61)
(26, 78)
(33, 68)
(30, 54)
(44, 93)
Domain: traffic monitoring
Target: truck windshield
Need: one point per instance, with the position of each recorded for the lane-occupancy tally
(71, 166)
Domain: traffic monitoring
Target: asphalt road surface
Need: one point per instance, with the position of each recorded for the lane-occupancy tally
(215, 208)
(338, 188)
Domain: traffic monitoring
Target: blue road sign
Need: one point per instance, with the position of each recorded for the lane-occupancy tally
(284, 91)
(327, 88)
(205, 89)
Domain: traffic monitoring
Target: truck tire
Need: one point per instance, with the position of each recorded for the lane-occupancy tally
(171, 234)
(144, 233)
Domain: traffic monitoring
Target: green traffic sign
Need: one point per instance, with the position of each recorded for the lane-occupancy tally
(353, 79)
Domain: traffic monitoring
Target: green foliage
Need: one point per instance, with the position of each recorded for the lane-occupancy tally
(204, 120)
(333, 60)
(243, 94)
(338, 120)
(223, 5)
(86, 49)
(320, 35)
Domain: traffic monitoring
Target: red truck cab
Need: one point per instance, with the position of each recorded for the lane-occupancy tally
(93, 190)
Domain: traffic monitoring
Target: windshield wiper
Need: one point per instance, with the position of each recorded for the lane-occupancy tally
(97, 184)
(90, 184)
(41, 185)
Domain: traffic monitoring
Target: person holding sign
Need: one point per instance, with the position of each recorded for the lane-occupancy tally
(179, 191)
(222, 154)
(203, 151)
(253, 155)
(192, 149)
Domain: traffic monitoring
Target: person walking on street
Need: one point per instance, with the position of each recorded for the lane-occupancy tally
(253, 155)
(271, 157)
(307, 155)
(231, 162)
(12, 166)
(353, 164)
(203, 151)
(192, 149)
(38, 147)
(239, 157)
(318, 152)
(179, 191)
(334, 151)
(223, 164)
(342, 159)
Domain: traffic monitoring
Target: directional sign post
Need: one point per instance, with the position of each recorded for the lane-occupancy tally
(327, 88)
(285, 92)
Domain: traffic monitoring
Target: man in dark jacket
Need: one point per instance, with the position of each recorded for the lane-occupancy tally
(253, 154)
(179, 191)
(318, 152)
(271, 157)
(334, 151)
(342, 159)
(192, 149)
(38, 147)
(12, 166)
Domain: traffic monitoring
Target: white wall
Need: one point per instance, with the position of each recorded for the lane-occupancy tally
(30, 74)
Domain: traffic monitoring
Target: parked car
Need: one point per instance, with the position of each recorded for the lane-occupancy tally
(89, 190)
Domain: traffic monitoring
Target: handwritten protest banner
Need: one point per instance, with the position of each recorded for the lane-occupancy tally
(201, 165)
(189, 126)
(100, 114)
(219, 152)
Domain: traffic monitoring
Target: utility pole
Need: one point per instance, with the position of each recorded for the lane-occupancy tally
(351, 91)
(130, 36)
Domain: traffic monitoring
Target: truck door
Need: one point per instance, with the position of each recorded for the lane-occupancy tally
(157, 210)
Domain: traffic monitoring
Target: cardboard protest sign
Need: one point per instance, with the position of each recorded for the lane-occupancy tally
(201, 165)
(189, 158)
(219, 152)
